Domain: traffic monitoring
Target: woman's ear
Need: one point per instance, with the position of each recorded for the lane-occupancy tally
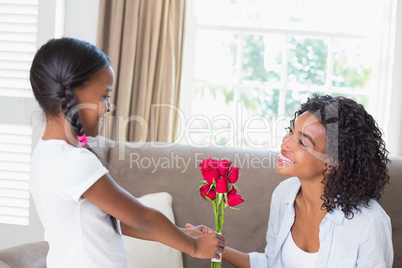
(331, 166)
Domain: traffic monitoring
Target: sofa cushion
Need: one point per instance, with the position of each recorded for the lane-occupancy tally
(149, 254)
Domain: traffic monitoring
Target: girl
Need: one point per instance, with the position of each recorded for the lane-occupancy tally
(326, 214)
(83, 210)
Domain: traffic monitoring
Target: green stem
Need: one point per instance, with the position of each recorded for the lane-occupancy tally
(223, 213)
(219, 207)
(219, 214)
(216, 265)
(215, 211)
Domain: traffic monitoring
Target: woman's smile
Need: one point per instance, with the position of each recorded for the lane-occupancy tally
(282, 158)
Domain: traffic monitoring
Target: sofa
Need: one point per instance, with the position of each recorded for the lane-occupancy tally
(144, 168)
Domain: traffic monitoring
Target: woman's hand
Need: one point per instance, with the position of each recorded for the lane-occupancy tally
(197, 230)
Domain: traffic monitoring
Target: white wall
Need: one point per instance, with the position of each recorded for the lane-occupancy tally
(81, 19)
(73, 18)
(394, 129)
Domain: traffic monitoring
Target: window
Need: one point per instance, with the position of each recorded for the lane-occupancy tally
(256, 61)
(18, 35)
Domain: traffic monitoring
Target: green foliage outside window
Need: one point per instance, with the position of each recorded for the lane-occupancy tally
(307, 62)
(253, 68)
(306, 65)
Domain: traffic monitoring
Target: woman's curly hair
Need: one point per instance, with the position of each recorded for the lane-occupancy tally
(357, 170)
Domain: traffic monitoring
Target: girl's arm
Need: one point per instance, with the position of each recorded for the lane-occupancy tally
(191, 231)
(129, 231)
(150, 223)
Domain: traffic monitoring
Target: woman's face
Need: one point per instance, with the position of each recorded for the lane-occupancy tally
(303, 149)
(93, 100)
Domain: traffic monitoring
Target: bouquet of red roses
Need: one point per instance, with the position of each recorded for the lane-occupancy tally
(219, 188)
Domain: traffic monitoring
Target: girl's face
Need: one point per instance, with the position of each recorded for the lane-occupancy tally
(303, 149)
(93, 100)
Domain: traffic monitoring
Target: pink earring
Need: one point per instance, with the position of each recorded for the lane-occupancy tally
(82, 139)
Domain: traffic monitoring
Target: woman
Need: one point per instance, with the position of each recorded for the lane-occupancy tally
(326, 215)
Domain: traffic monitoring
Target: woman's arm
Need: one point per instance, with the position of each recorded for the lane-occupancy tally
(149, 223)
(236, 258)
(376, 249)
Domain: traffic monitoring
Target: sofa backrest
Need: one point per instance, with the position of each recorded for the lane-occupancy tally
(392, 204)
(155, 167)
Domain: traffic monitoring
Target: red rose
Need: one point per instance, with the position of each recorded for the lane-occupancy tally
(224, 166)
(234, 174)
(233, 198)
(214, 163)
(208, 171)
(206, 193)
(205, 165)
(210, 175)
(222, 185)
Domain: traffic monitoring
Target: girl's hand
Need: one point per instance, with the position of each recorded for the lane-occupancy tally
(209, 245)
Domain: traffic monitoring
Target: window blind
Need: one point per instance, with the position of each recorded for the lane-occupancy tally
(18, 36)
(15, 159)
(18, 31)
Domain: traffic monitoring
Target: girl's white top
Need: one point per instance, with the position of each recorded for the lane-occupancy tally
(79, 233)
(294, 257)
